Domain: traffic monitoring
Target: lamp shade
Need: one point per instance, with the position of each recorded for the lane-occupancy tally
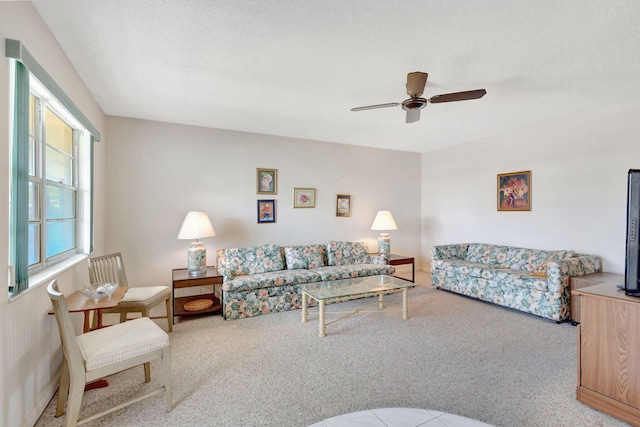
(384, 221)
(196, 225)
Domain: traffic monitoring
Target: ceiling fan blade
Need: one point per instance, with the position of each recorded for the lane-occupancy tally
(413, 115)
(457, 96)
(415, 83)
(372, 107)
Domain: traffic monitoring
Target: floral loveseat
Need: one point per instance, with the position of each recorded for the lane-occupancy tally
(530, 280)
(266, 279)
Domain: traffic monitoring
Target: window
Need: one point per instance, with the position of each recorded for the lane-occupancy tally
(51, 213)
(53, 183)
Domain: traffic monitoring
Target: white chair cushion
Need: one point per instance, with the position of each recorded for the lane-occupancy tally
(144, 295)
(120, 342)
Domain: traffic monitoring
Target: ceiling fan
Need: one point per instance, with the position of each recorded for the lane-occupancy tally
(415, 86)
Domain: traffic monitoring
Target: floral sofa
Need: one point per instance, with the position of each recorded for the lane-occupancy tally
(529, 280)
(267, 278)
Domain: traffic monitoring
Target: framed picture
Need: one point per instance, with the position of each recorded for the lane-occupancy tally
(266, 211)
(343, 205)
(304, 197)
(514, 191)
(266, 181)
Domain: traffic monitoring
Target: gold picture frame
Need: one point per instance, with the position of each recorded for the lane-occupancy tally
(514, 191)
(304, 198)
(266, 181)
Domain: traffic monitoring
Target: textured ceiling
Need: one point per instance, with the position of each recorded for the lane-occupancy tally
(296, 67)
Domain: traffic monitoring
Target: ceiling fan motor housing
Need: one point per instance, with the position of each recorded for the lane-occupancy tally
(413, 103)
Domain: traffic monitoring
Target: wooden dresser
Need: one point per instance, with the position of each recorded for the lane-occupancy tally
(579, 282)
(609, 352)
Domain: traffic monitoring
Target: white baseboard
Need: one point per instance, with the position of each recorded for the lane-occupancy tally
(42, 401)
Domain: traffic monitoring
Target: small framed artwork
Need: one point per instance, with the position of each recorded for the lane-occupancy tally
(304, 197)
(266, 181)
(266, 211)
(343, 205)
(514, 191)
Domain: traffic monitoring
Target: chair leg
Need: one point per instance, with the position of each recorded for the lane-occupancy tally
(123, 317)
(63, 390)
(147, 372)
(76, 390)
(166, 375)
(169, 314)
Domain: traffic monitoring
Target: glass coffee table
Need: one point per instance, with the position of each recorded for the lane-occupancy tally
(348, 289)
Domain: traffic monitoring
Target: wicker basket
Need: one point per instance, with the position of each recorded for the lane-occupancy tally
(198, 304)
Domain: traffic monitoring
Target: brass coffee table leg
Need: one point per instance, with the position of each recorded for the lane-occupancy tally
(304, 308)
(405, 310)
(321, 325)
(381, 301)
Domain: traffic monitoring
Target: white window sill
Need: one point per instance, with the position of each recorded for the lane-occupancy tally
(44, 277)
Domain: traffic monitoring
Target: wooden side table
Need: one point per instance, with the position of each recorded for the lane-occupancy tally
(579, 282)
(77, 302)
(395, 259)
(182, 279)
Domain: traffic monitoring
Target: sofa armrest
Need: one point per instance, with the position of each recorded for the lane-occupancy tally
(559, 272)
(379, 260)
(226, 274)
(453, 251)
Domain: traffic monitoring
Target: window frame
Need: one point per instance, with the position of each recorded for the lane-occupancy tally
(44, 104)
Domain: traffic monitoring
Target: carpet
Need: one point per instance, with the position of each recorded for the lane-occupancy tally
(454, 354)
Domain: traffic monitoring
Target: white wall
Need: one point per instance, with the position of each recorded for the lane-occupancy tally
(579, 170)
(158, 171)
(30, 347)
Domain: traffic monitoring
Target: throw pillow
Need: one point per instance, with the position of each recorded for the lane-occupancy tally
(541, 268)
(306, 257)
(347, 253)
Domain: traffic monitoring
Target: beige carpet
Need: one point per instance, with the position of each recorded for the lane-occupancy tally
(453, 355)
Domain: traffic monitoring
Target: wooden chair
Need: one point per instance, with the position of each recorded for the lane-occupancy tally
(103, 352)
(110, 269)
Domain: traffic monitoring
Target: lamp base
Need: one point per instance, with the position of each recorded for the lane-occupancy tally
(197, 259)
(384, 244)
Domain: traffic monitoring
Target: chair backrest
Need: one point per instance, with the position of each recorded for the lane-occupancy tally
(107, 269)
(65, 327)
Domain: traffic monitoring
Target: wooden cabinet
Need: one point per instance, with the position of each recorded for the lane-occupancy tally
(609, 352)
(579, 282)
(182, 279)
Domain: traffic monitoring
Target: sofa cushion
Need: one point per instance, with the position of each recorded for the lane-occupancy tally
(487, 254)
(254, 259)
(307, 257)
(503, 276)
(515, 278)
(350, 271)
(347, 253)
(525, 259)
(473, 269)
(271, 279)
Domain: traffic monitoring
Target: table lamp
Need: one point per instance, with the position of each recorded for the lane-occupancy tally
(384, 222)
(196, 225)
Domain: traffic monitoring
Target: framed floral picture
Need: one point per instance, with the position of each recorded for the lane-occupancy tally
(514, 191)
(304, 197)
(266, 211)
(343, 205)
(266, 181)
